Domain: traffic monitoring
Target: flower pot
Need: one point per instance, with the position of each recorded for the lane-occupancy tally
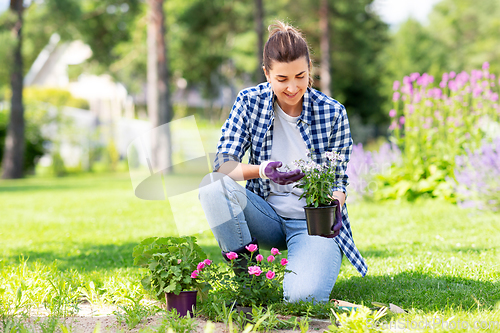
(320, 220)
(184, 302)
(246, 310)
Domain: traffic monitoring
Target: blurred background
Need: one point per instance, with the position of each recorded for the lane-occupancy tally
(80, 79)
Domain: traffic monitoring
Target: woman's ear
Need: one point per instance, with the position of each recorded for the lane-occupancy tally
(266, 73)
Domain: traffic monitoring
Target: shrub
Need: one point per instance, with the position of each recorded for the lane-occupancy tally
(432, 124)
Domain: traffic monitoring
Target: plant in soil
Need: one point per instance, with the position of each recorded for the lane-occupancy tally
(134, 313)
(261, 283)
(319, 178)
(170, 261)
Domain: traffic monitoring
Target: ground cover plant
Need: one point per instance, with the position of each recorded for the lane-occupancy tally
(68, 241)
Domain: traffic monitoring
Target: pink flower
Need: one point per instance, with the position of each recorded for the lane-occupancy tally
(452, 74)
(207, 262)
(486, 65)
(395, 97)
(395, 85)
(251, 248)
(402, 120)
(231, 255)
(270, 258)
(275, 251)
(270, 275)
(179, 261)
(259, 257)
(200, 266)
(284, 261)
(392, 113)
(194, 275)
(254, 270)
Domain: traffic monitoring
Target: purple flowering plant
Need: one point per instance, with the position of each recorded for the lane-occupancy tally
(433, 122)
(477, 177)
(256, 283)
(319, 178)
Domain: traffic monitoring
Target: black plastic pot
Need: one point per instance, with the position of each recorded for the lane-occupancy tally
(184, 302)
(320, 220)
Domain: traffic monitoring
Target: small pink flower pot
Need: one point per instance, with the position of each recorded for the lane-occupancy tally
(184, 302)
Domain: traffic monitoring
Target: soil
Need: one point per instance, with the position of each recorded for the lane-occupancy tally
(91, 315)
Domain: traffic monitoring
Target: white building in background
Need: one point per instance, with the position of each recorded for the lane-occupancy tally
(111, 113)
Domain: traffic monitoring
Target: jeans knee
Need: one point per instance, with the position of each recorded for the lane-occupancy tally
(214, 184)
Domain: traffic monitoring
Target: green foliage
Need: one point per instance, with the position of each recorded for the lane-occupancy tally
(237, 283)
(358, 321)
(135, 312)
(54, 96)
(318, 179)
(461, 35)
(58, 168)
(34, 140)
(433, 126)
(112, 155)
(170, 261)
(173, 321)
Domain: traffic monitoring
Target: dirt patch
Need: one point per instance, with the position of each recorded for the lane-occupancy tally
(89, 316)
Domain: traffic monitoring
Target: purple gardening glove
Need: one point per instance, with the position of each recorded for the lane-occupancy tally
(282, 178)
(338, 219)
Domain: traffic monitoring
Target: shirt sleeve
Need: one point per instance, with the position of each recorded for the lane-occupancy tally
(235, 138)
(341, 142)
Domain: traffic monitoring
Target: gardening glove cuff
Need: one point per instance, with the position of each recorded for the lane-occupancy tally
(337, 225)
(262, 167)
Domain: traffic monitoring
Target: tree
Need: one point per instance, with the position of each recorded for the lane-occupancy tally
(159, 105)
(12, 162)
(324, 27)
(259, 30)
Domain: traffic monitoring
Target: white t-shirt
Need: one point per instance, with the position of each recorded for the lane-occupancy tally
(288, 146)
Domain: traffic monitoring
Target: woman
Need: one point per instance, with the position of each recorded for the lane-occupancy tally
(278, 122)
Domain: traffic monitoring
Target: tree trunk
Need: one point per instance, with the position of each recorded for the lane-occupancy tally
(159, 105)
(13, 157)
(259, 29)
(325, 48)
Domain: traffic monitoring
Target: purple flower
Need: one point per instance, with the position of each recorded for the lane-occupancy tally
(452, 75)
(396, 85)
(395, 96)
(414, 76)
(392, 113)
(486, 65)
(402, 120)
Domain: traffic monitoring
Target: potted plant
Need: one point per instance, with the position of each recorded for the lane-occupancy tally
(170, 261)
(322, 214)
(260, 284)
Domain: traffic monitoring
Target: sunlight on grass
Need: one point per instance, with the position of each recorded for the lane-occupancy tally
(429, 257)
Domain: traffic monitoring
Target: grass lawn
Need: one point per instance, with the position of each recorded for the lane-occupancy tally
(75, 235)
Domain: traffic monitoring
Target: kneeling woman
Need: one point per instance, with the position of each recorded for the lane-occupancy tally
(279, 122)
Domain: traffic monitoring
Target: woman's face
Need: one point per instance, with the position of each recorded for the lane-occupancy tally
(289, 81)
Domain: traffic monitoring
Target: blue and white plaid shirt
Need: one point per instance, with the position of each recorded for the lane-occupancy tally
(324, 127)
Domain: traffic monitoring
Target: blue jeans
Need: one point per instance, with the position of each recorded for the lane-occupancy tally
(236, 215)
